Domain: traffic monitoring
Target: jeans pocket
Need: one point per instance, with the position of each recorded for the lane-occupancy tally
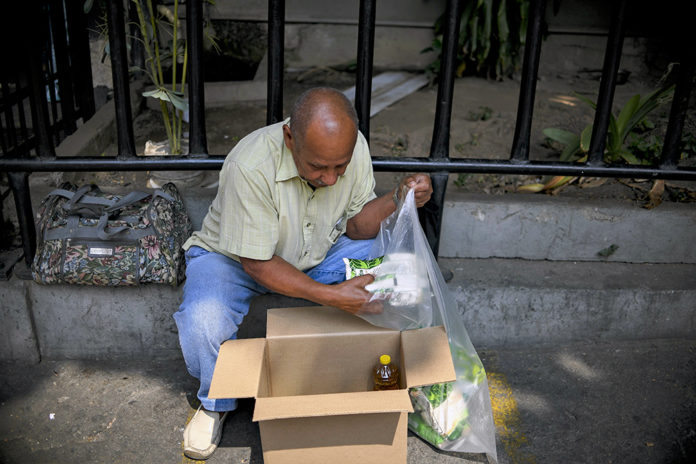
(195, 252)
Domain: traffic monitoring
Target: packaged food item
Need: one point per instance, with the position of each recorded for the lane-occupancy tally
(398, 277)
(386, 374)
(358, 267)
(440, 411)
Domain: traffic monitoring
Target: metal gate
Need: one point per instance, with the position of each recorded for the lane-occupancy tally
(23, 154)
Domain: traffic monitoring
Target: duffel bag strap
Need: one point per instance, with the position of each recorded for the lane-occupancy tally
(73, 230)
(132, 197)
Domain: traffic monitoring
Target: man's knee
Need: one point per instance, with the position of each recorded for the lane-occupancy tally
(209, 319)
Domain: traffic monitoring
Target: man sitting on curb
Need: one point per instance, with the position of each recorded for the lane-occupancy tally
(294, 199)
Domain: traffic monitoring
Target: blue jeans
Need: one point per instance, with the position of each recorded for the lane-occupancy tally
(216, 298)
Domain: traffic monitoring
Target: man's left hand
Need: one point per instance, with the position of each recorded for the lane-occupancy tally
(421, 185)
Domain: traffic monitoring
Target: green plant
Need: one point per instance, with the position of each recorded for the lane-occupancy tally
(460, 181)
(491, 33)
(166, 56)
(630, 120)
(483, 113)
(165, 46)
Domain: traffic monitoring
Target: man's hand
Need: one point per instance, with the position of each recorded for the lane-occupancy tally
(351, 296)
(421, 185)
(279, 276)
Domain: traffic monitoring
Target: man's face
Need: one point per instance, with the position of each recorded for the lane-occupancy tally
(320, 159)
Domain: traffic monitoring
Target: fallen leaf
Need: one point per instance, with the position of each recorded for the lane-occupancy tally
(591, 182)
(530, 188)
(608, 251)
(655, 194)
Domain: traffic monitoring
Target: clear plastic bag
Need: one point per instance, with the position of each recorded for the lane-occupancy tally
(455, 416)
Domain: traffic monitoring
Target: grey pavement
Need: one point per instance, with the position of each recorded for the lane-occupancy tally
(592, 402)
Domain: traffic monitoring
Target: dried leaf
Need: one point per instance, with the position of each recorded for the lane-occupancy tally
(608, 251)
(655, 194)
(530, 188)
(592, 182)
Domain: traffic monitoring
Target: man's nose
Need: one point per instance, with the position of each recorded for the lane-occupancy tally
(330, 178)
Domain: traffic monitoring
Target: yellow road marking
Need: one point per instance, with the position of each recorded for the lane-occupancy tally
(507, 419)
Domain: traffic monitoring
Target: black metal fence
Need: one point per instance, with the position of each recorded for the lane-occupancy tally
(18, 164)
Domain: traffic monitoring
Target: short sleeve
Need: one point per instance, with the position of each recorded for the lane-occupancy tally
(364, 182)
(248, 218)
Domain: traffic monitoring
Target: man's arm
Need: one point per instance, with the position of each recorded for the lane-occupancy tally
(279, 276)
(366, 223)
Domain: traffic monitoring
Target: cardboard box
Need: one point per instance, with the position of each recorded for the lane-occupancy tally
(312, 380)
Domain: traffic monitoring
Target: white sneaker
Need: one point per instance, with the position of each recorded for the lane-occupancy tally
(202, 433)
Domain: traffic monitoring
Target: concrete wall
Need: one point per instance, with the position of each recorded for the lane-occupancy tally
(565, 229)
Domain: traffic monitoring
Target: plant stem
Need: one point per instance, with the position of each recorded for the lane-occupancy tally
(146, 42)
(155, 41)
(175, 26)
(183, 87)
(163, 106)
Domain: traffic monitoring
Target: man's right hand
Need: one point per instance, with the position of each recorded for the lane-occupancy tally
(351, 296)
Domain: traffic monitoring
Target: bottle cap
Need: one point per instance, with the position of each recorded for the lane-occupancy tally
(385, 359)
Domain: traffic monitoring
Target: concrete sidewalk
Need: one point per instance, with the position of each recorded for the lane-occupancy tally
(620, 402)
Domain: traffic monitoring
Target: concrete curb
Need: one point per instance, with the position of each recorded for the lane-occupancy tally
(566, 229)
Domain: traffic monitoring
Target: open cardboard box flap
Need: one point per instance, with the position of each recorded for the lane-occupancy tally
(242, 369)
(332, 404)
(427, 357)
(314, 321)
(244, 363)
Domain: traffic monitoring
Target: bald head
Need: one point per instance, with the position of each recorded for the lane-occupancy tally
(324, 109)
(322, 135)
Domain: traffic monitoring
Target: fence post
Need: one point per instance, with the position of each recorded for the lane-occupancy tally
(366, 48)
(431, 214)
(530, 69)
(605, 99)
(198, 142)
(276, 48)
(119, 73)
(680, 103)
(19, 183)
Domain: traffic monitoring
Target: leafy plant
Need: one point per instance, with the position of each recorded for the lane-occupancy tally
(165, 46)
(483, 113)
(629, 121)
(491, 33)
(166, 56)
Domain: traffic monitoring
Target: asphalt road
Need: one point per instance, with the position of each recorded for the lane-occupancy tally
(619, 402)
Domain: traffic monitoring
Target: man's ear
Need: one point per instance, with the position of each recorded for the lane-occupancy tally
(287, 137)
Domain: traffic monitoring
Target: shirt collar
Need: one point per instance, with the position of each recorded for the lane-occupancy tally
(286, 167)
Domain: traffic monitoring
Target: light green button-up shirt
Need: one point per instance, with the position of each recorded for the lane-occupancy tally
(263, 207)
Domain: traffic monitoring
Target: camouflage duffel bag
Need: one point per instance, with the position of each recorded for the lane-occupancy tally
(89, 237)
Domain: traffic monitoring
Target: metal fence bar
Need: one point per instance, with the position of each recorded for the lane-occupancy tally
(198, 142)
(21, 95)
(276, 48)
(119, 73)
(431, 214)
(62, 62)
(433, 165)
(605, 99)
(37, 91)
(530, 69)
(680, 103)
(9, 114)
(366, 48)
(19, 183)
(80, 58)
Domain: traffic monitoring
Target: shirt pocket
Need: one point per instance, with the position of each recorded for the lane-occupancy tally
(338, 229)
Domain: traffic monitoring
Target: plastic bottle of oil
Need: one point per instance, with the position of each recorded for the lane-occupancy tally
(386, 374)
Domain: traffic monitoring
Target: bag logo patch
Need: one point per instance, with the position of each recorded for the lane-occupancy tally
(100, 252)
